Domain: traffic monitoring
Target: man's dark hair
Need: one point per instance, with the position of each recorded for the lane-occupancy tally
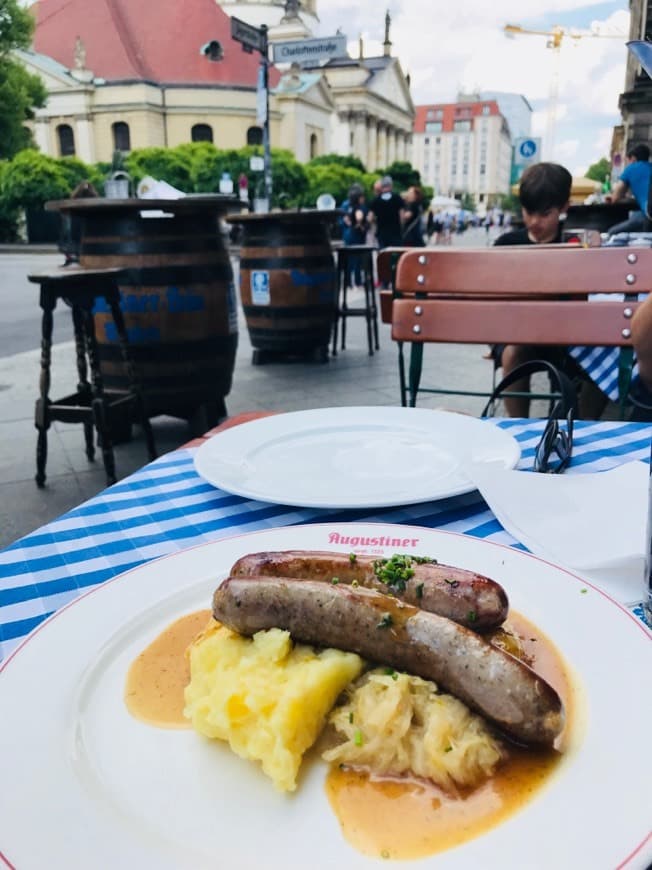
(639, 152)
(544, 186)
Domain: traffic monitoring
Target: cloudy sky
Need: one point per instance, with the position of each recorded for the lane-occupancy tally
(460, 46)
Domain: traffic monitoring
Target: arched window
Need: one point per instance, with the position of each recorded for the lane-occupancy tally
(202, 133)
(313, 145)
(255, 136)
(66, 139)
(121, 137)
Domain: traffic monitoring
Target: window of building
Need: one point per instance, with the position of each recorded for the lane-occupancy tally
(483, 169)
(439, 114)
(66, 138)
(255, 136)
(314, 145)
(453, 168)
(430, 114)
(201, 133)
(433, 126)
(461, 126)
(121, 136)
(426, 141)
(486, 110)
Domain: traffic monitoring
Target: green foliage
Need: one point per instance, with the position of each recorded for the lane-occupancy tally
(8, 213)
(289, 179)
(597, 171)
(16, 26)
(329, 178)
(467, 202)
(20, 92)
(77, 171)
(510, 202)
(32, 178)
(346, 160)
(403, 175)
(164, 164)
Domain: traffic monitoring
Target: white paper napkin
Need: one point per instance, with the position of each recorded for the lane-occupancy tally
(594, 524)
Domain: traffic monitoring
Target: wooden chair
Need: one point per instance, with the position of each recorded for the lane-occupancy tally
(513, 295)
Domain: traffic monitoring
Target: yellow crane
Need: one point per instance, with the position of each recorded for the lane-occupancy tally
(554, 39)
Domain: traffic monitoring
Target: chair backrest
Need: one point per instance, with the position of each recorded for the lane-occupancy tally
(386, 265)
(521, 295)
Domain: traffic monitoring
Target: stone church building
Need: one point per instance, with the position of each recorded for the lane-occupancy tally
(124, 74)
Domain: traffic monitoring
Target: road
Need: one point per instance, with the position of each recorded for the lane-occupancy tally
(20, 323)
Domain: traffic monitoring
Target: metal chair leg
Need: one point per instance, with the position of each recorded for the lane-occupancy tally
(41, 417)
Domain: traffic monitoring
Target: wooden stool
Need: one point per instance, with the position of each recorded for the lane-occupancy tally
(346, 262)
(90, 405)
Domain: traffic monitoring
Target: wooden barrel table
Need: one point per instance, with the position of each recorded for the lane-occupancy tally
(287, 283)
(177, 296)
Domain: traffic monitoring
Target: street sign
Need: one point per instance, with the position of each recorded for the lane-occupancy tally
(309, 50)
(250, 37)
(527, 150)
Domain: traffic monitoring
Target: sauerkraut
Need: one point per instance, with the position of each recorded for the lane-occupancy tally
(393, 724)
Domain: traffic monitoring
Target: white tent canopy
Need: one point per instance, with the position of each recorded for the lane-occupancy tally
(444, 202)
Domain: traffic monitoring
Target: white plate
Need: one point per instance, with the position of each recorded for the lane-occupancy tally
(86, 785)
(353, 457)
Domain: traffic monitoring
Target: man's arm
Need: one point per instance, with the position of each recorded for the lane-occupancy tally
(642, 340)
(620, 188)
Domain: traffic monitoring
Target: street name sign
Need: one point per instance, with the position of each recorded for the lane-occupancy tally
(250, 37)
(309, 50)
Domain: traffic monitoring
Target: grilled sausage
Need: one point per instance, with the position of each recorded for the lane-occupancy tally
(463, 596)
(388, 631)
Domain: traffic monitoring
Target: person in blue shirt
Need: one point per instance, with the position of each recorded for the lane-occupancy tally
(635, 179)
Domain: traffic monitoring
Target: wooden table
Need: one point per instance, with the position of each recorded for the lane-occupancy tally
(288, 282)
(177, 296)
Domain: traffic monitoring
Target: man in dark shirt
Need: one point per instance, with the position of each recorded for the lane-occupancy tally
(544, 193)
(385, 211)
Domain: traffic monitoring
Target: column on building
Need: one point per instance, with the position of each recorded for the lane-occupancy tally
(84, 142)
(371, 161)
(382, 160)
(42, 135)
(391, 143)
(360, 134)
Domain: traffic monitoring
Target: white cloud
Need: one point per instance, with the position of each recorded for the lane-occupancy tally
(447, 47)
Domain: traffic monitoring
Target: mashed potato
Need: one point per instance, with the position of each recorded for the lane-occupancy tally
(264, 695)
(394, 723)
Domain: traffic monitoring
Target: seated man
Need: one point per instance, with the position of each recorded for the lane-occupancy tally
(635, 179)
(544, 193)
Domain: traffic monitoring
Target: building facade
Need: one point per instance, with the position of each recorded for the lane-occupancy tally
(463, 148)
(115, 82)
(635, 102)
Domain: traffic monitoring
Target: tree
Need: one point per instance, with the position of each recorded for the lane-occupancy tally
(346, 160)
(403, 174)
(20, 91)
(598, 171)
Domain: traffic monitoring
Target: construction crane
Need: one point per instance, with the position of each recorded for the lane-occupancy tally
(555, 38)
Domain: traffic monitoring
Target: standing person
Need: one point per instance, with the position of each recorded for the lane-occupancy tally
(544, 193)
(385, 210)
(412, 231)
(635, 178)
(372, 238)
(354, 229)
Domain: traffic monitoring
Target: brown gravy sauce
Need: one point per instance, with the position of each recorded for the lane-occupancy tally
(382, 817)
(157, 678)
(410, 818)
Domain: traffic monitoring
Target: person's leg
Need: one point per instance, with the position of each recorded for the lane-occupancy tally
(514, 355)
(635, 223)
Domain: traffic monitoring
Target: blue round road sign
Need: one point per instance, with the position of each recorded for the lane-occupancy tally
(527, 148)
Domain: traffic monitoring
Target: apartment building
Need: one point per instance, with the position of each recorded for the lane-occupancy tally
(463, 148)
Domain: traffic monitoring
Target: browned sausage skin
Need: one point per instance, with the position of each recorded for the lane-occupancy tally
(388, 631)
(463, 596)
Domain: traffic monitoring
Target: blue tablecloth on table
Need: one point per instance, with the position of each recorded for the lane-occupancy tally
(165, 507)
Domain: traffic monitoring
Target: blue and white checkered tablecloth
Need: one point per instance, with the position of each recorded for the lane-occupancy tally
(165, 507)
(601, 363)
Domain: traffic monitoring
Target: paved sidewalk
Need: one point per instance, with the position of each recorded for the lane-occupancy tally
(351, 378)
